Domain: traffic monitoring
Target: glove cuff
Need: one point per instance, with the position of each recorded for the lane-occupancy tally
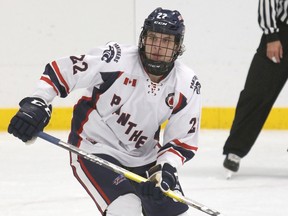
(38, 102)
(154, 173)
(165, 176)
(169, 177)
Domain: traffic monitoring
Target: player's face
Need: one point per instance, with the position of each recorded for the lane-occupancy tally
(160, 47)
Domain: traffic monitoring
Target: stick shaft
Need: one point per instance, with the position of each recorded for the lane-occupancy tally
(117, 169)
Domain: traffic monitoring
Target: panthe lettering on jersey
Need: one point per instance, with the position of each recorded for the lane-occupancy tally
(115, 100)
(131, 127)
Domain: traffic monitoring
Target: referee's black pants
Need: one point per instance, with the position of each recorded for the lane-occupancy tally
(264, 82)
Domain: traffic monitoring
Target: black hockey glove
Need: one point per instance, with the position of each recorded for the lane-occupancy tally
(161, 179)
(33, 115)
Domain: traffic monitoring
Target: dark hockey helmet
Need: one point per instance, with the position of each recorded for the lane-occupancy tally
(166, 22)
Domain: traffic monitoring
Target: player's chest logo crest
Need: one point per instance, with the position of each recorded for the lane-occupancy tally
(170, 100)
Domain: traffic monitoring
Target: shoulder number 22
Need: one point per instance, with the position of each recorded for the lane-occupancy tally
(78, 64)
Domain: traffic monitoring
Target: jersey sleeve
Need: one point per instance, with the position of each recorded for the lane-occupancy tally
(66, 74)
(181, 133)
(267, 19)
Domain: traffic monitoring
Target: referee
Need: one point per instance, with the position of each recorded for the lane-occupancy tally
(266, 77)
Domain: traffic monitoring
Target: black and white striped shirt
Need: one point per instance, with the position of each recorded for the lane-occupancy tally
(269, 11)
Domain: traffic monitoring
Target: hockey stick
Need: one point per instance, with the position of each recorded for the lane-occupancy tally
(129, 175)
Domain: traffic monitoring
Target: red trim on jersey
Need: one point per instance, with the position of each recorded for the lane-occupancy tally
(48, 81)
(82, 124)
(92, 180)
(79, 131)
(57, 70)
(83, 185)
(97, 96)
(158, 145)
(179, 102)
(184, 145)
(120, 73)
(174, 152)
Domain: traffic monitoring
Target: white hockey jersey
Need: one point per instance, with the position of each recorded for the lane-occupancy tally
(122, 111)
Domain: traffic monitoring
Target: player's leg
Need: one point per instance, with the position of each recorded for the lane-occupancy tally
(165, 207)
(128, 205)
(106, 187)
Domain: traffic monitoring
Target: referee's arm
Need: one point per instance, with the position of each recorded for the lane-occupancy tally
(267, 15)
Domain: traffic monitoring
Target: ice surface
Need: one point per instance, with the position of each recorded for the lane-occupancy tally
(37, 180)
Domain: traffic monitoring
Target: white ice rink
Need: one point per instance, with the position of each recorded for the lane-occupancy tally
(37, 180)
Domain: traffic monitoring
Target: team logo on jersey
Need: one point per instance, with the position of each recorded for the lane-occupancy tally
(113, 52)
(108, 54)
(118, 52)
(170, 100)
(195, 85)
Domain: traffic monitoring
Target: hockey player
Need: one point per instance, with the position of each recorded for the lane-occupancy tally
(131, 91)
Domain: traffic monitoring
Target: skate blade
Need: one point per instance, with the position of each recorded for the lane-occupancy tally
(229, 174)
